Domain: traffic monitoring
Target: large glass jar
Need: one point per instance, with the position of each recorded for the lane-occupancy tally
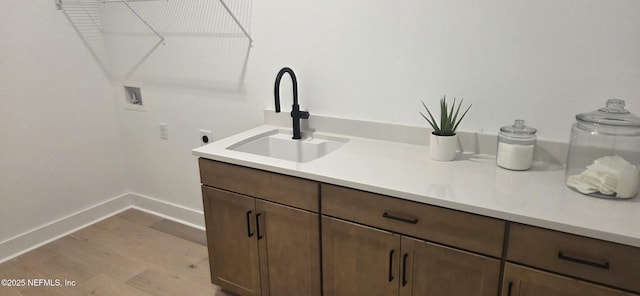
(515, 146)
(604, 153)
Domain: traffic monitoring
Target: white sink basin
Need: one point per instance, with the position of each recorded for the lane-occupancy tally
(278, 144)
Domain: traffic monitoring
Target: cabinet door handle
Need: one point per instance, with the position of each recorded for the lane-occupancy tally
(509, 289)
(249, 232)
(404, 269)
(583, 261)
(402, 219)
(391, 265)
(258, 225)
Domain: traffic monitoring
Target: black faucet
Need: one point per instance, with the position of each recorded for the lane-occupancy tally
(296, 114)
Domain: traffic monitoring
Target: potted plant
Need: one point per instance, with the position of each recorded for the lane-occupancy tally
(444, 141)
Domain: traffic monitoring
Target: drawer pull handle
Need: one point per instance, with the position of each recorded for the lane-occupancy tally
(391, 265)
(404, 269)
(510, 287)
(258, 225)
(582, 261)
(389, 216)
(249, 232)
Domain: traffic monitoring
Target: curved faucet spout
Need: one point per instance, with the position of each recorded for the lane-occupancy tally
(276, 90)
(296, 114)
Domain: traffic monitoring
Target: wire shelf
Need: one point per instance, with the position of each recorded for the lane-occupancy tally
(206, 42)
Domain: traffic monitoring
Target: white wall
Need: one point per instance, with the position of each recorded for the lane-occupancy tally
(60, 145)
(166, 169)
(543, 61)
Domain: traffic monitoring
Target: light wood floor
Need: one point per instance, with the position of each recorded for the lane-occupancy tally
(132, 253)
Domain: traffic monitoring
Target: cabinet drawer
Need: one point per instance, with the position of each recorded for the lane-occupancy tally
(292, 191)
(582, 257)
(467, 231)
(523, 281)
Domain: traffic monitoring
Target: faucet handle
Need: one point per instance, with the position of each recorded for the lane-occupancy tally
(299, 114)
(296, 113)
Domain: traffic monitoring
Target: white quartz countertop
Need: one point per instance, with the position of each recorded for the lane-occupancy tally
(472, 183)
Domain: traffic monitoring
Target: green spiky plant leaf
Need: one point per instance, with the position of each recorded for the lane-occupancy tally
(449, 120)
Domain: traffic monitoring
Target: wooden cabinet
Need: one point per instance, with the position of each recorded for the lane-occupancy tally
(576, 256)
(231, 240)
(281, 189)
(430, 269)
(289, 248)
(256, 246)
(453, 228)
(264, 235)
(360, 260)
(399, 264)
(523, 281)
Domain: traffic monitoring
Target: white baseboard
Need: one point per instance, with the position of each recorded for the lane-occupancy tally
(49, 232)
(167, 210)
(34, 238)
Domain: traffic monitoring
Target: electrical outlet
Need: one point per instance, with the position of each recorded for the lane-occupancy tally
(205, 137)
(164, 133)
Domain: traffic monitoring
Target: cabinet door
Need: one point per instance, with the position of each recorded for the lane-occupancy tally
(231, 239)
(522, 281)
(358, 260)
(289, 244)
(429, 269)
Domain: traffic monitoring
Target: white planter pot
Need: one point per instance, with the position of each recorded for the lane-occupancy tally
(443, 148)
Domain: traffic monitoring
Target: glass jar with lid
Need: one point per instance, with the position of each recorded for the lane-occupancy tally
(516, 144)
(604, 153)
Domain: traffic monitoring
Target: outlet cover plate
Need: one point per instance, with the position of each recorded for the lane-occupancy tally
(164, 132)
(206, 137)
